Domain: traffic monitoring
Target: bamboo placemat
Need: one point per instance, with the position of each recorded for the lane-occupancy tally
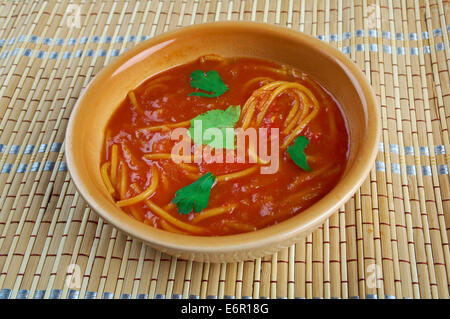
(389, 241)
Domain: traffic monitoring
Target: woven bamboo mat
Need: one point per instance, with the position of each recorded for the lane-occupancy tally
(389, 241)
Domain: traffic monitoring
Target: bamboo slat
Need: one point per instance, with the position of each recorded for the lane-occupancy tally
(390, 240)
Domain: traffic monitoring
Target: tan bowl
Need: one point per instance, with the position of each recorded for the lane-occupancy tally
(328, 66)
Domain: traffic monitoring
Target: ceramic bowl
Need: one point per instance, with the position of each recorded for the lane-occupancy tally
(332, 69)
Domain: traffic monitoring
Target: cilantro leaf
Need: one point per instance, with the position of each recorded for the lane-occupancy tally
(219, 120)
(194, 196)
(297, 152)
(209, 82)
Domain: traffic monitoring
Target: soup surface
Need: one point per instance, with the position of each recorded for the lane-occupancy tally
(297, 155)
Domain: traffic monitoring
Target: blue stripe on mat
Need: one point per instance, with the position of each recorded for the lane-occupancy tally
(437, 33)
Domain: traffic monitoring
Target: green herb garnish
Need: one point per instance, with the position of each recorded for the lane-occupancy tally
(209, 82)
(297, 152)
(194, 196)
(224, 121)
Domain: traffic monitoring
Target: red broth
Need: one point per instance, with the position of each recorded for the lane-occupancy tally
(256, 200)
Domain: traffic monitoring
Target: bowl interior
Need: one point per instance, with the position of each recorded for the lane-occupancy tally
(327, 66)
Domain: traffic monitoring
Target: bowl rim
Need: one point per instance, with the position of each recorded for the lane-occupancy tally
(307, 221)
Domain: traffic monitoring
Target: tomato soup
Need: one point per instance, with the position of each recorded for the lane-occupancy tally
(299, 123)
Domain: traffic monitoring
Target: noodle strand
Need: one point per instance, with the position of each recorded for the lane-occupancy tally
(236, 175)
(133, 100)
(165, 126)
(213, 212)
(143, 195)
(169, 218)
(114, 163)
(105, 177)
(123, 180)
